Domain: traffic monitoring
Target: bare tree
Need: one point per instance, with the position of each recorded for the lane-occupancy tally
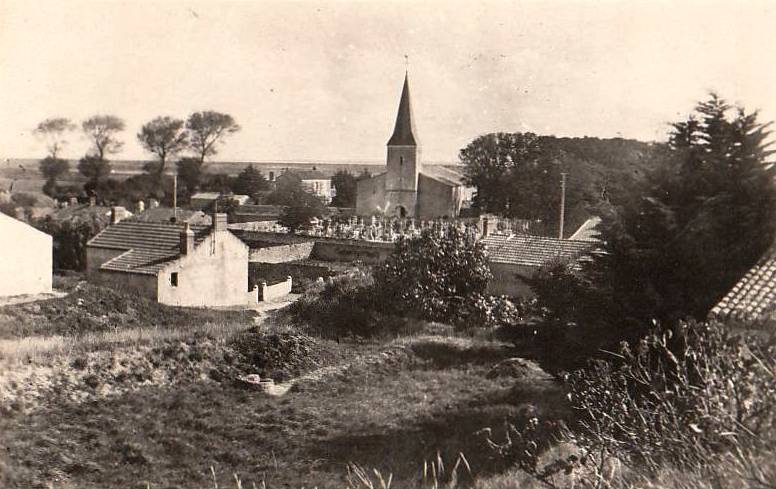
(53, 131)
(165, 137)
(206, 130)
(102, 131)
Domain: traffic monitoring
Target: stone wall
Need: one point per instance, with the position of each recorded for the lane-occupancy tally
(341, 250)
(282, 253)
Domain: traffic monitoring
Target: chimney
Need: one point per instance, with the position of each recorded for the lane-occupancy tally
(485, 227)
(140, 206)
(73, 201)
(219, 222)
(92, 201)
(117, 214)
(187, 240)
(153, 203)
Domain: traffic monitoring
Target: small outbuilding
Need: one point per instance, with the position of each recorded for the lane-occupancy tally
(26, 262)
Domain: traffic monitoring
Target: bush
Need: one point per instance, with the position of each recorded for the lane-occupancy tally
(438, 276)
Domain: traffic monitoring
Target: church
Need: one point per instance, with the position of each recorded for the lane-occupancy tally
(406, 188)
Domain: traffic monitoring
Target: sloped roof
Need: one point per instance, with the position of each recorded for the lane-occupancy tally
(443, 174)
(535, 251)
(403, 134)
(206, 195)
(165, 214)
(753, 298)
(81, 211)
(587, 231)
(149, 246)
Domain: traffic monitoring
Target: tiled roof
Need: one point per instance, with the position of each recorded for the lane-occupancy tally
(146, 262)
(753, 298)
(149, 245)
(527, 250)
(130, 234)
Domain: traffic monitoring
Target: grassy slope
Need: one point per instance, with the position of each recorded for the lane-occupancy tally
(389, 410)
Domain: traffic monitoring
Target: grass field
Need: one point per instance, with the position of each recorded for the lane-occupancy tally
(158, 405)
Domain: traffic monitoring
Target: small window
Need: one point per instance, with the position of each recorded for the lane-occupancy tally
(174, 279)
(401, 160)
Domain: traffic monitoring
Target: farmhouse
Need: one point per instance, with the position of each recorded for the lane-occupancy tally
(514, 258)
(25, 267)
(406, 188)
(175, 264)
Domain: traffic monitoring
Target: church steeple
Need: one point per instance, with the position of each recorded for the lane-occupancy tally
(403, 134)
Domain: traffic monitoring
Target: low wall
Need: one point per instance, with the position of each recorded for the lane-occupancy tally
(275, 291)
(324, 249)
(338, 250)
(281, 253)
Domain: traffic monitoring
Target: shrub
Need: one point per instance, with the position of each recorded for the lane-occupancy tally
(437, 276)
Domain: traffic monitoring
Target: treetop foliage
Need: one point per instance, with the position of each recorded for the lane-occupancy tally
(102, 130)
(165, 137)
(52, 130)
(206, 129)
(345, 186)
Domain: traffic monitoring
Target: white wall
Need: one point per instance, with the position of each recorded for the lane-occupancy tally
(25, 258)
(215, 273)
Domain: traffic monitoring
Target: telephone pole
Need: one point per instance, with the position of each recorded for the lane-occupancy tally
(562, 203)
(175, 196)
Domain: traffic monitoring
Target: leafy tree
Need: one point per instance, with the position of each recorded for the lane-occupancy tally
(165, 137)
(102, 131)
(70, 237)
(94, 169)
(52, 168)
(207, 129)
(345, 185)
(249, 181)
(676, 241)
(287, 186)
(438, 276)
(189, 174)
(300, 210)
(53, 131)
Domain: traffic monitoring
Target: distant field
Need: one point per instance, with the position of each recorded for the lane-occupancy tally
(24, 171)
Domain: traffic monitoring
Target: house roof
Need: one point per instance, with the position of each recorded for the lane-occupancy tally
(149, 246)
(754, 296)
(587, 231)
(165, 214)
(81, 211)
(303, 175)
(206, 195)
(443, 174)
(403, 134)
(527, 250)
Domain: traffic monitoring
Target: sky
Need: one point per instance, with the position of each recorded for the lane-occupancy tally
(321, 80)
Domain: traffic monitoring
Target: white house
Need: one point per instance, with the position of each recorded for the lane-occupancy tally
(26, 260)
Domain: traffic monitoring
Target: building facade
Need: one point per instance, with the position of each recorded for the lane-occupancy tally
(406, 188)
(26, 264)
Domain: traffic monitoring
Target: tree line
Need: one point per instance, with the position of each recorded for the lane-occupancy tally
(166, 138)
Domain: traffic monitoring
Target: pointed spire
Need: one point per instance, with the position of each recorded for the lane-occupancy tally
(402, 133)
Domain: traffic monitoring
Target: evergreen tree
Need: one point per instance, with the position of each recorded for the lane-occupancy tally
(250, 181)
(676, 242)
(345, 185)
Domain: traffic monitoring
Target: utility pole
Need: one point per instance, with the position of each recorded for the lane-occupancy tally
(175, 196)
(562, 203)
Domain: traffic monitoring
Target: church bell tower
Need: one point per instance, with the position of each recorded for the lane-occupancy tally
(401, 184)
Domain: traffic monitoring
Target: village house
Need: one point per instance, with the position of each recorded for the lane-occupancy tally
(313, 181)
(514, 258)
(204, 201)
(26, 265)
(407, 188)
(173, 263)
